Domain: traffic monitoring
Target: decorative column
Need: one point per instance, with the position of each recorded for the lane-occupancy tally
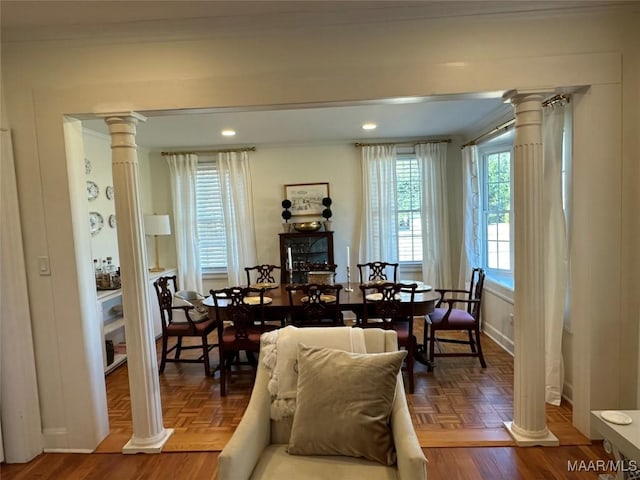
(529, 425)
(149, 434)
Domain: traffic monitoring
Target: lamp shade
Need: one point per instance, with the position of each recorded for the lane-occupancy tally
(157, 225)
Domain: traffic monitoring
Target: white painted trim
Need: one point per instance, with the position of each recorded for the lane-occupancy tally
(67, 450)
(500, 338)
(153, 445)
(501, 292)
(523, 440)
(567, 392)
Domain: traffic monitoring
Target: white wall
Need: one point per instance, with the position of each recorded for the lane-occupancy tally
(97, 148)
(44, 80)
(273, 167)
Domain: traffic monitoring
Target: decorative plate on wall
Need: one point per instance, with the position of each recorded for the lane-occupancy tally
(112, 221)
(92, 190)
(96, 222)
(87, 166)
(109, 192)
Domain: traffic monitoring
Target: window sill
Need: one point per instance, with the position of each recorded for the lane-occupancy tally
(500, 288)
(409, 267)
(214, 275)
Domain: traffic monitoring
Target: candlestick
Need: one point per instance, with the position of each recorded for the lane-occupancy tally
(290, 264)
(348, 289)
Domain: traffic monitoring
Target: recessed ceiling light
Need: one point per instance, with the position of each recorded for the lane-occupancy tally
(369, 126)
(228, 132)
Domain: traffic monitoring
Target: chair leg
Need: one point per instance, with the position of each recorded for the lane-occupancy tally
(472, 342)
(205, 355)
(178, 348)
(163, 359)
(482, 362)
(223, 374)
(409, 362)
(432, 347)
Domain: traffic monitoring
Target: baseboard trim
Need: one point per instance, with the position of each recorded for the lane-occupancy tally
(497, 336)
(67, 450)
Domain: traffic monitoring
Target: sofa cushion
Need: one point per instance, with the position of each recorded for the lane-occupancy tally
(344, 403)
(276, 463)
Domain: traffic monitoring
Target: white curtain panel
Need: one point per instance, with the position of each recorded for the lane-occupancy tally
(555, 248)
(235, 181)
(182, 169)
(379, 222)
(20, 424)
(436, 257)
(470, 252)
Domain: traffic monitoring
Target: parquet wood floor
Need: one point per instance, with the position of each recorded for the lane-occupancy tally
(483, 463)
(458, 404)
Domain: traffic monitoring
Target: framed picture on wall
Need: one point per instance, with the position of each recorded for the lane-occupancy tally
(306, 198)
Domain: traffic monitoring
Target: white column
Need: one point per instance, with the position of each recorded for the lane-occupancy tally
(529, 426)
(149, 434)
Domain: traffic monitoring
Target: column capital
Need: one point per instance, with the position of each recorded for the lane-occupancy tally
(518, 96)
(122, 117)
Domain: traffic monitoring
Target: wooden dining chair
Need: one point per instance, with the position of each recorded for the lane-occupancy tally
(378, 272)
(263, 274)
(466, 318)
(266, 276)
(390, 306)
(315, 305)
(180, 319)
(240, 314)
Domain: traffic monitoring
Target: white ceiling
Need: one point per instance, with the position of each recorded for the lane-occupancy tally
(324, 124)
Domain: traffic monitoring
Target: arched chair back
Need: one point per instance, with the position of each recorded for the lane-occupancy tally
(378, 272)
(315, 305)
(263, 275)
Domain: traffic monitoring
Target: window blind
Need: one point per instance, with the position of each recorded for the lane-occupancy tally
(211, 234)
(409, 210)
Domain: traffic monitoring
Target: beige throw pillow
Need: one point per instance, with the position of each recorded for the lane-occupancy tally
(344, 403)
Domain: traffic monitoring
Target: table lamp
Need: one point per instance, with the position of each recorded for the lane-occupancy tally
(157, 225)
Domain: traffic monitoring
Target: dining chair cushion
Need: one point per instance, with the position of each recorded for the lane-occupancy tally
(457, 319)
(182, 328)
(344, 402)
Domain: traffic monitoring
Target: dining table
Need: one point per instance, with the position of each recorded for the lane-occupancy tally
(276, 302)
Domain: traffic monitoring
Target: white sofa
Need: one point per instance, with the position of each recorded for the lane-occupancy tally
(258, 448)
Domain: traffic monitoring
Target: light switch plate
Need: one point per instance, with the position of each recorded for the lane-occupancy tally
(43, 266)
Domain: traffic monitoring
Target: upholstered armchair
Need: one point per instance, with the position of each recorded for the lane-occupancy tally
(259, 447)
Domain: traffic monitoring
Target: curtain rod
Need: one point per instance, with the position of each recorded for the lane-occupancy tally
(506, 125)
(503, 126)
(208, 152)
(557, 99)
(408, 144)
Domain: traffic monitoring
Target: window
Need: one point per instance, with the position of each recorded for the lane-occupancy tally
(211, 235)
(409, 191)
(497, 227)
